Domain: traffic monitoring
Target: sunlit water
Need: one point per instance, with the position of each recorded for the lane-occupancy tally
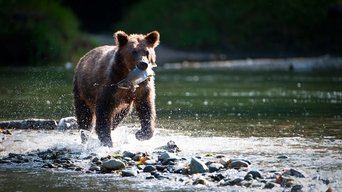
(252, 115)
(312, 156)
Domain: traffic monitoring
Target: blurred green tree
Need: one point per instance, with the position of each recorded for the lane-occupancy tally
(35, 32)
(249, 27)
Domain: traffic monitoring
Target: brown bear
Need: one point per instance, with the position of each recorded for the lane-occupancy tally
(98, 98)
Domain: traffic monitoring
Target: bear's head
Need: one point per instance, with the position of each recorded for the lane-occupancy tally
(137, 49)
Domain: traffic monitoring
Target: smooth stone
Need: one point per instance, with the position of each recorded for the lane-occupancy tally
(94, 168)
(129, 172)
(137, 157)
(149, 168)
(254, 174)
(201, 181)
(169, 161)
(248, 177)
(128, 154)
(237, 164)
(282, 157)
(217, 177)
(213, 167)
(4, 161)
(95, 159)
(197, 166)
(297, 188)
(236, 181)
(113, 164)
(269, 185)
(165, 155)
(293, 172)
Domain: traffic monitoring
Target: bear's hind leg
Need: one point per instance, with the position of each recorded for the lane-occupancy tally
(84, 118)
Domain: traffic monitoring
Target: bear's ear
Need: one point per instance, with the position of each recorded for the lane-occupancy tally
(121, 38)
(153, 38)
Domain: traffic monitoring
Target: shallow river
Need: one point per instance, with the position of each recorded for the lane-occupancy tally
(257, 115)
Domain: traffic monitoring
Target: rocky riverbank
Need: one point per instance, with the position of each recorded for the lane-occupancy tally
(165, 163)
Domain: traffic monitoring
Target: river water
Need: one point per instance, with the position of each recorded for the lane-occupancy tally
(254, 115)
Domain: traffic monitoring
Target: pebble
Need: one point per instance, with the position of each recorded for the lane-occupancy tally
(269, 185)
(237, 163)
(282, 157)
(201, 181)
(197, 166)
(149, 168)
(205, 171)
(129, 173)
(214, 167)
(94, 168)
(293, 172)
(254, 175)
(297, 188)
(113, 164)
(128, 154)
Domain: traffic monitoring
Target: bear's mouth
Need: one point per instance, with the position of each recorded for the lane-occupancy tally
(140, 73)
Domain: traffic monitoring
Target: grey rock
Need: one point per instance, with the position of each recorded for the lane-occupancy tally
(149, 168)
(282, 157)
(29, 124)
(94, 168)
(197, 166)
(254, 174)
(293, 172)
(297, 188)
(237, 163)
(269, 185)
(165, 155)
(128, 154)
(113, 164)
(67, 123)
(129, 173)
(236, 181)
(201, 181)
(213, 167)
(248, 177)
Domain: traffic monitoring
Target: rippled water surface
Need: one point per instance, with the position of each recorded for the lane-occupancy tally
(255, 115)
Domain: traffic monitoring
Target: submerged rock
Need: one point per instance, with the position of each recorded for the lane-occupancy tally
(293, 172)
(29, 124)
(129, 172)
(197, 166)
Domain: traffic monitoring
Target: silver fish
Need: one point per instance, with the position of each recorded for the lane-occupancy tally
(135, 77)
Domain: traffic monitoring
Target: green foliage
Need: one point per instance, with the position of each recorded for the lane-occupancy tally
(240, 26)
(37, 32)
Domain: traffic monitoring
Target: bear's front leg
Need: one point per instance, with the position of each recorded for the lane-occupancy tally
(145, 108)
(103, 123)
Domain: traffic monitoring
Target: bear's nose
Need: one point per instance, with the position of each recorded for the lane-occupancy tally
(142, 65)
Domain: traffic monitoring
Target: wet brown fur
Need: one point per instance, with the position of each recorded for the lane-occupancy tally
(98, 100)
